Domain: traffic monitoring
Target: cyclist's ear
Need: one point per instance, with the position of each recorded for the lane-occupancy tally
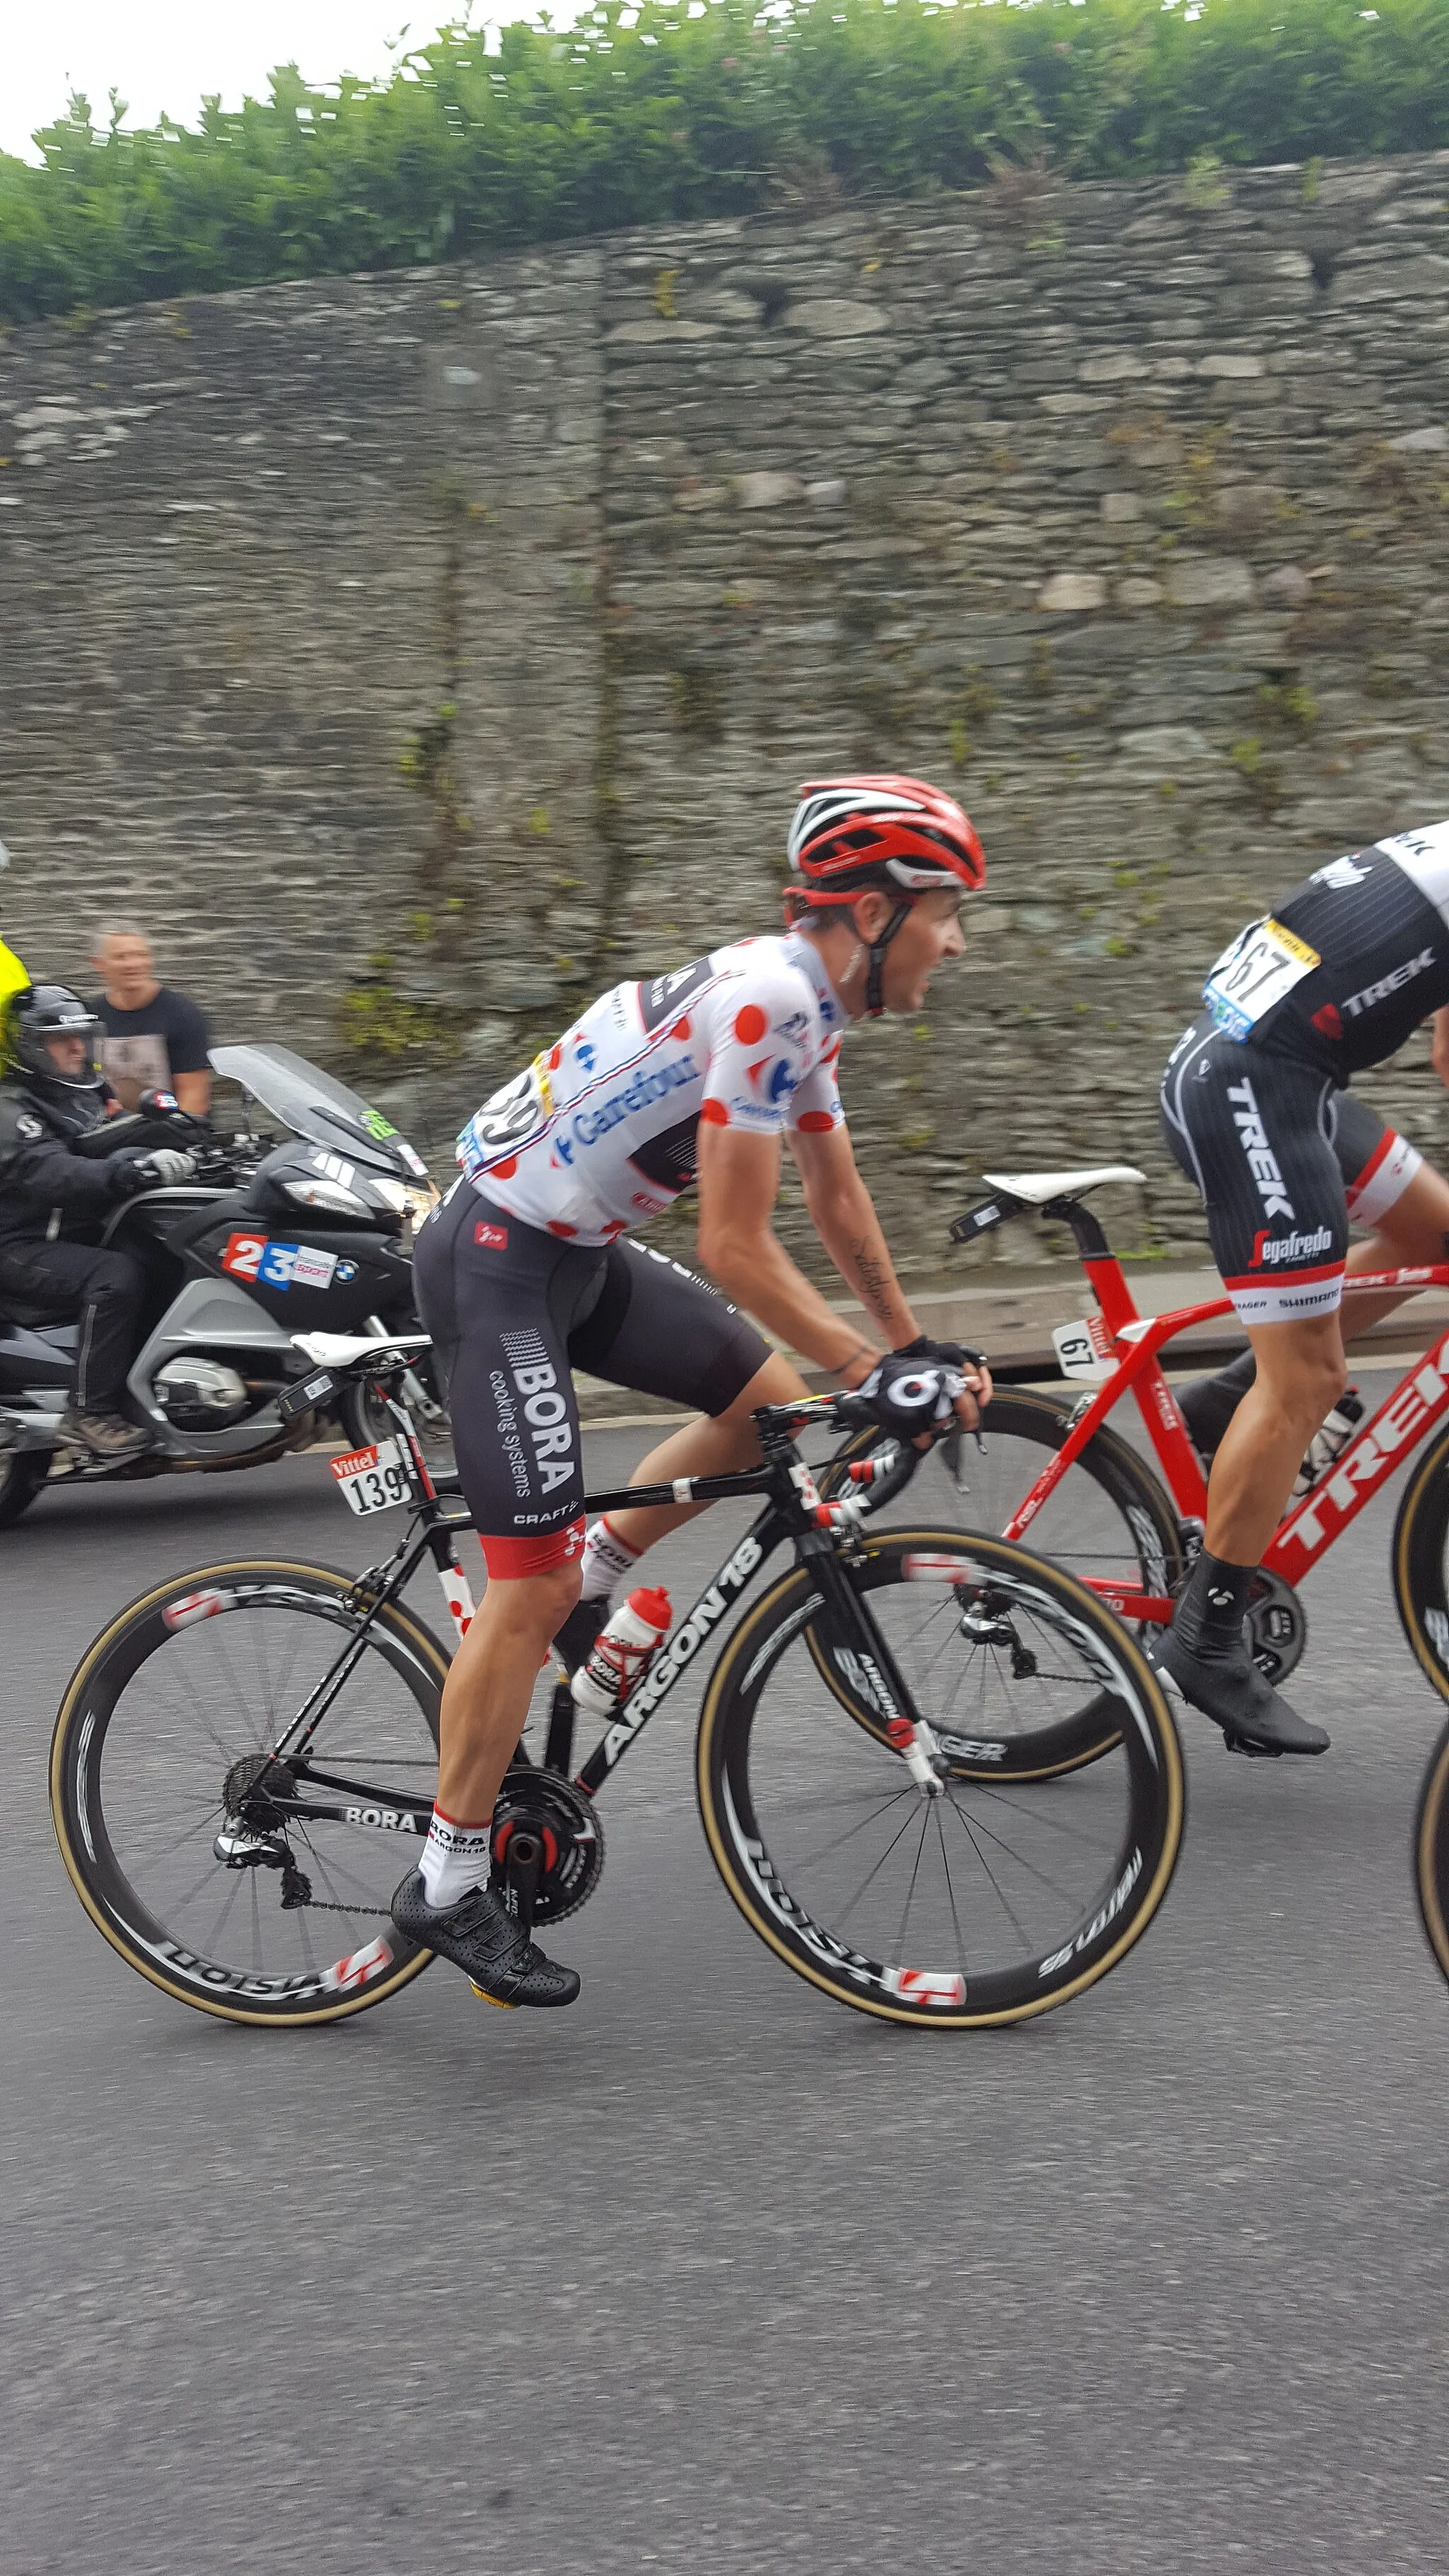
(870, 912)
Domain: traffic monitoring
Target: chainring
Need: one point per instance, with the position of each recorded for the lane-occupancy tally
(1276, 1626)
(564, 1819)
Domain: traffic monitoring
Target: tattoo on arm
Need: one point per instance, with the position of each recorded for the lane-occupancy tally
(873, 1276)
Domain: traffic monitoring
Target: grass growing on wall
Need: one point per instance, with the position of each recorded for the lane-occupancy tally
(640, 115)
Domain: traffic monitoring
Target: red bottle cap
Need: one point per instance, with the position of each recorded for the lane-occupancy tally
(653, 1607)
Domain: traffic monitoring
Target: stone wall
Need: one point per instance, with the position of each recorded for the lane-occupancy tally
(418, 653)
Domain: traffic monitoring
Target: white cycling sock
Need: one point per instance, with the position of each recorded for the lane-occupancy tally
(607, 1559)
(455, 1859)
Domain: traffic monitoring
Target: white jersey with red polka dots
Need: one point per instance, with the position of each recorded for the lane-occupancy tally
(599, 1134)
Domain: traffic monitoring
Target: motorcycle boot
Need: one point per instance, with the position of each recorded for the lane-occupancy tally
(481, 1937)
(108, 1436)
(1204, 1658)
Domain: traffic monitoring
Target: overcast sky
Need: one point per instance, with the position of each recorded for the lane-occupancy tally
(171, 53)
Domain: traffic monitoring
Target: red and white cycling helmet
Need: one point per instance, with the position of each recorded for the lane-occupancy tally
(899, 834)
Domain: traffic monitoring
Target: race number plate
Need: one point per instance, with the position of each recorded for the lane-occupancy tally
(1264, 962)
(1084, 1350)
(507, 1121)
(373, 1480)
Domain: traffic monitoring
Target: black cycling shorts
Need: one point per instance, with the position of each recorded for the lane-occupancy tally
(1285, 1161)
(512, 1312)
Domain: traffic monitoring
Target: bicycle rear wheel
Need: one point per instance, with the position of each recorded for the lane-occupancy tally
(991, 1901)
(157, 1768)
(1107, 1520)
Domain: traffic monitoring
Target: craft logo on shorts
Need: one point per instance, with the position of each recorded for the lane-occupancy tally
(493, 1238)
(1273, 1253)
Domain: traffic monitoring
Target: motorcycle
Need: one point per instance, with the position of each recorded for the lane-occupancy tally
(267, 1240)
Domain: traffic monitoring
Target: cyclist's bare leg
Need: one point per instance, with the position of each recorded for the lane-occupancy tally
(490, 1683)
(1415, 1230)
(1301, 1375)
(712, 1446)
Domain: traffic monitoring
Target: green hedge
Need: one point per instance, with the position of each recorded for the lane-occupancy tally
(719, 113)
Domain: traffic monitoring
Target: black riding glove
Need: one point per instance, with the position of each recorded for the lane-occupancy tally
(915, 1389)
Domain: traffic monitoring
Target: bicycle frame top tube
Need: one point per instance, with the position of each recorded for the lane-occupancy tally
(793, 1508)
(1415, 1405)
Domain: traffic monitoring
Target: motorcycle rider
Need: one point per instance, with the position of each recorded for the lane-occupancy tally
(52, 1094)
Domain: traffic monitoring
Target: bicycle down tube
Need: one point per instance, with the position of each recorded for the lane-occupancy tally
(354, 1800)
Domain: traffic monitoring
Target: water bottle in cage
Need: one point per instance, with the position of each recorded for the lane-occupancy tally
(620, 1651)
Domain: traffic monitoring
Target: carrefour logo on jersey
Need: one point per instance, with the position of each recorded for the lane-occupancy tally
(590, 1125)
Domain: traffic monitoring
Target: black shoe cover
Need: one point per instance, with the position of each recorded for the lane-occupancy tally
(575, 1640)
(1234, 1694)
(481, 1937)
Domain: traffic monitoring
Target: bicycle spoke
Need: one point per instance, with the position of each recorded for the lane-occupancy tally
(911, 1889)
(1007, 1908)
(950, 1887)
(843, 1916)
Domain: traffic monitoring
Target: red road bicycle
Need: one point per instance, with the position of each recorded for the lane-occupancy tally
(1054, 1467)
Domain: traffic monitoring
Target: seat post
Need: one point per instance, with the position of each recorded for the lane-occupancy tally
(1099, 1261)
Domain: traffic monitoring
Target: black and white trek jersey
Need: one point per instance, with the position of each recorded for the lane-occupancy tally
(1379, 921)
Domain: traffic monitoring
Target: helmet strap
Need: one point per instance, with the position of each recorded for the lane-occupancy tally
(875, 962)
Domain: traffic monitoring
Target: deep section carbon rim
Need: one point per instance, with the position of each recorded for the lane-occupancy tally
(1431, 1852)
(159, 1789)
(998, 1897)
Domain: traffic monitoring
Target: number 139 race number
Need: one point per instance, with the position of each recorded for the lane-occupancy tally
(373, 1480)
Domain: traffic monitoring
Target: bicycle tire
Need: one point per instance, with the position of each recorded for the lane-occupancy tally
(1421, 1578)
(1124, 1896)
(1431, 1852)
(1132, 1491)
(364, 1976)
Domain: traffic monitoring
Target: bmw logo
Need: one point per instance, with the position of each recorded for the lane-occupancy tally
(344, 1271)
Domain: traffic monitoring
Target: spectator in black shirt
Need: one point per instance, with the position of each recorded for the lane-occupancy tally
(154, 1039)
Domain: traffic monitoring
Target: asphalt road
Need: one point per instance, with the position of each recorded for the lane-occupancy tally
(709, 2274)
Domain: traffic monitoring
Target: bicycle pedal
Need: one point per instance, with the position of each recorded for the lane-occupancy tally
(496, 2000)
(1255, 1752)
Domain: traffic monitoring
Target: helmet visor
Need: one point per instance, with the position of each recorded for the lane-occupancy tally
(62, 1048)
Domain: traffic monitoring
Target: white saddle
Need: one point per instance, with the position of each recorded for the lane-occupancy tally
(1037, 1187)
(339, 1350)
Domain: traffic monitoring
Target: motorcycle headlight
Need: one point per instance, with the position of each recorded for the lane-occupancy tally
(326, 1194)
(406, 1198)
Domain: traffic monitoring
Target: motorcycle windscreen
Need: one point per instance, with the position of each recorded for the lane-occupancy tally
(315, 1105)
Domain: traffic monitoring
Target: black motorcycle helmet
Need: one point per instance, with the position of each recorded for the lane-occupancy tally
(52, 1011)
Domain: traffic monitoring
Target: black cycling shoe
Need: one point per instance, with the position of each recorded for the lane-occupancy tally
(481, 1937)
(1234, 1694)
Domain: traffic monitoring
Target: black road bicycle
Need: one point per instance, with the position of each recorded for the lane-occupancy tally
(246, 1755)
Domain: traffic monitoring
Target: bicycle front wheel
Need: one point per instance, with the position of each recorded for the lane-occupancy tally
(181, 1842)
(988, 1900)
(1431, 1852)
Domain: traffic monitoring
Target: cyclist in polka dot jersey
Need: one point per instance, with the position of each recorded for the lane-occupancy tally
(601, 1132)
(529, 1269)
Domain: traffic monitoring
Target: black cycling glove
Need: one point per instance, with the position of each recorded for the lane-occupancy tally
(915, 1389)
